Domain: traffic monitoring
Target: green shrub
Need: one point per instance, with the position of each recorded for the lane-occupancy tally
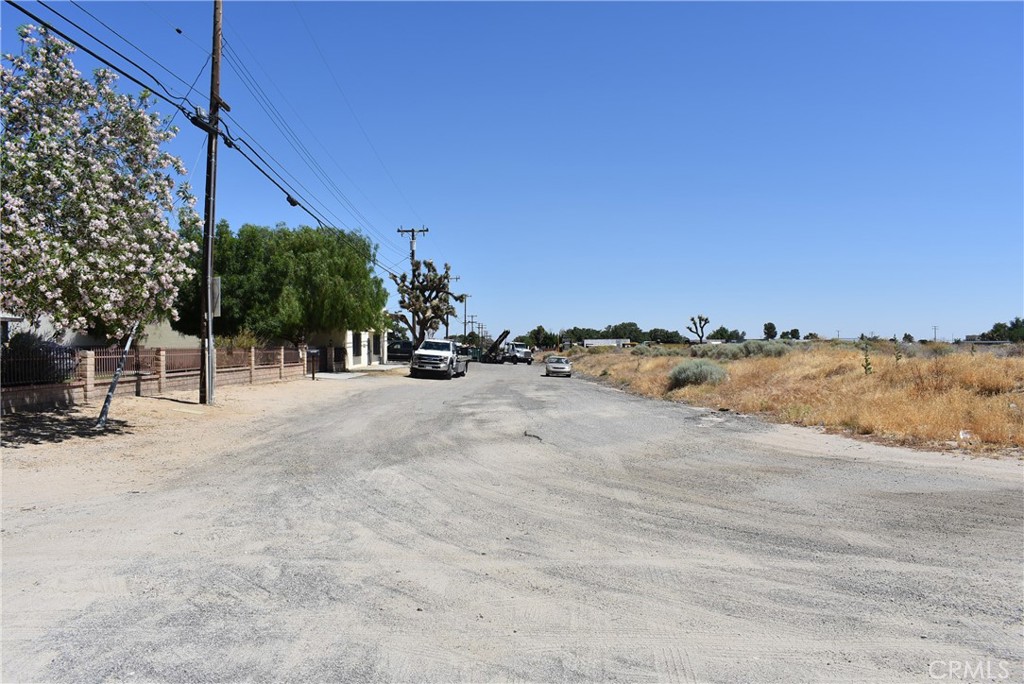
(727, 352)
(643, 350)
(761, 348)
(695, 372)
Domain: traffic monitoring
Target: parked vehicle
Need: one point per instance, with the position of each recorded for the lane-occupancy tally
(518, 352)
(399, 350)
(438, 357)
(495, 353)
(30, 360)
(558, 365)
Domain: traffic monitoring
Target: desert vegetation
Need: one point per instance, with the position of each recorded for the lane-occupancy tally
(932, 395)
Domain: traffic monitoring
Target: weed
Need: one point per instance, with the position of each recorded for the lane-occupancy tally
(920, 400)
(696, 372)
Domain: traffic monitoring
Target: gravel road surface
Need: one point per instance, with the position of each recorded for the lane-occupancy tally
(504, 526)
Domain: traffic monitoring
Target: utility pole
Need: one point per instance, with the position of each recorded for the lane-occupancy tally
(465, 299)
(450, 279)
(471, 321)
(207, 368)
(935, 333)
(415, 269)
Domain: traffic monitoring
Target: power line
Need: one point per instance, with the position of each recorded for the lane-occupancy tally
(344, 97)
(191, 86)
(193, 118)
(284, 127)
(325, 178)
(116, 52)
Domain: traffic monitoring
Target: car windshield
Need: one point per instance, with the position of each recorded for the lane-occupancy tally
(558, 359)
(435, 346)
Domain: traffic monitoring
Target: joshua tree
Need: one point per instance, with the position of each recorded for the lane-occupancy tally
(700, 321)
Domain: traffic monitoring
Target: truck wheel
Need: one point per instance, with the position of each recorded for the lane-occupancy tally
(450, 372)
(530, 362)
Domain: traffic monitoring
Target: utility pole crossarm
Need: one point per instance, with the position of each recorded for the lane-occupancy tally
(411, 232)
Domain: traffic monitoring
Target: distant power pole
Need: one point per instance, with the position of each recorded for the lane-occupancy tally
(412, 256)
(471, 321)
(935, 333)
(465, 301)
(450, 278)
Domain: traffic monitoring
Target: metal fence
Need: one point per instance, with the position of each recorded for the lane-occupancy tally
(138, 361)
(183, 360)
(55, 364)
(44, 365)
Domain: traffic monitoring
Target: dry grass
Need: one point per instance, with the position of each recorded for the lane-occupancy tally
(970, 401)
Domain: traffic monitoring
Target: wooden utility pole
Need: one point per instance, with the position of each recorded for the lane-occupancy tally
(450, 279)
(465, 317)
(415, 268)
(208, 366)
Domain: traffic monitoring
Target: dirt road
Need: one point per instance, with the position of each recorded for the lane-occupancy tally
(499, 527)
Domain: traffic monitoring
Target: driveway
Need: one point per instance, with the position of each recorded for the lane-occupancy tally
(504, 526)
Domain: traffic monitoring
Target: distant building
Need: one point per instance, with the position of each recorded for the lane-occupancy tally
(608, 343)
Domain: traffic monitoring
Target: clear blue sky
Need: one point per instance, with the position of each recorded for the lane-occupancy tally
(828, 166)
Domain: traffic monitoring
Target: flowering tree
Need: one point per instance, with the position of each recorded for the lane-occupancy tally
(86, 193)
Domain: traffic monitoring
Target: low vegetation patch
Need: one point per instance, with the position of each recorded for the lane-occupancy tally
(920, 396)
(695, 372)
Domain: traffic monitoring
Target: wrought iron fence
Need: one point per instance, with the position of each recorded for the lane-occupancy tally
(53, 364)
(182, 360)
(42, 365)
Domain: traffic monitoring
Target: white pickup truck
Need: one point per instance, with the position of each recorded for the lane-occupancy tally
(438, 357)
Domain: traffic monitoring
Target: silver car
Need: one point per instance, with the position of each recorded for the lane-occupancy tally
(558, 365)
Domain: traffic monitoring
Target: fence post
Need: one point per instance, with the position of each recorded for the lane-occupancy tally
(252, 365)
(280, 363)
(88, 359)
(161, 370)
(138, 373)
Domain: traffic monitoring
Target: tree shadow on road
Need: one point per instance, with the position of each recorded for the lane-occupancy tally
(53, 426)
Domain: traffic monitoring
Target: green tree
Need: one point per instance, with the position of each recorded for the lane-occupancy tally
(577, 335)
(663, 336)
(624, 331)
(539, 337)
(719, 333)
(288, 284)
(1009, 332)
(769, 331)
(908, 338)
(726, 335)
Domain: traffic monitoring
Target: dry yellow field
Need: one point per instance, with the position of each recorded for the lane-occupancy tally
(963, 400)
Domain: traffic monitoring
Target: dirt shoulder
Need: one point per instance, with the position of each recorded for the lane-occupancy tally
(59, 456)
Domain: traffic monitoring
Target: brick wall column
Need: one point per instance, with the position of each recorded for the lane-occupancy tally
(280, 363)
(88, 360)
(161, 370)
(252, 365)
